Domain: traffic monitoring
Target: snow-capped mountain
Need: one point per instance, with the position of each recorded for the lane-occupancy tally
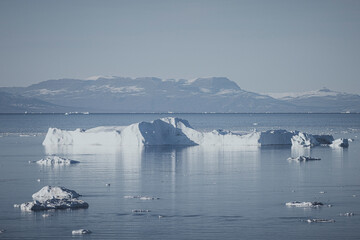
(150, 94)
(323, 100)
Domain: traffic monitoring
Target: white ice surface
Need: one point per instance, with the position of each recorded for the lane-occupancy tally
(303, 159)
(80, 232)
(176, 131)
(56, 161)
(53, 198)
(304, 204)
(340, 143)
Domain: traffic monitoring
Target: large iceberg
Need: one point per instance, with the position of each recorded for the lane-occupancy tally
(176, 131)
(53, 198)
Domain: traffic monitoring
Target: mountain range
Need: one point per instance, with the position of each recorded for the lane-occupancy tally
(150, 94)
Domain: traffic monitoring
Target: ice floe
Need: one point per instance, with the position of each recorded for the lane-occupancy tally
(304, 204)
(341, 142)
(80, 232)
(303, 159)
(56, 161)
(318, 220)
(176, 131)
(348, 214)
(140, 211)
(53, 198)
(143, 197)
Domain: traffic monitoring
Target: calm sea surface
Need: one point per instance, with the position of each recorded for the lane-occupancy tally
(204, 192)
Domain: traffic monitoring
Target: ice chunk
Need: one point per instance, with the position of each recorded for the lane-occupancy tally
(348, 214)
(341, 142)
(53, 198)
(80, 232)
(2, 230)
(140, 211)
(176, 131)
(48, 193)
(56, 161)
(317, 220)
(304, 204)
(143, 197)
(303, 159)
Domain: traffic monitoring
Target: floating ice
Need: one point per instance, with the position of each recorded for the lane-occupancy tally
(348, 214)
(317, 220)
(341, 142)
(2, 230)
(56, 161)
(143, 197)
(176, 131)
(304, 204)
(80, 232)
(140, 211)
(53, 198)
(303, 159)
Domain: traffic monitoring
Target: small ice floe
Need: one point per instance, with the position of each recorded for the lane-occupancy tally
(341, 142)
(46, 215)
(2, 230)
(143, 197)
(303, 159)
(56, 161)
(354, 195)
(108, 184)
(322, 192)
(80, 232)
(38, 180)
(53, 198)
(140, 211)
(348, 214)
(318, 220)
(304, 204)
(255, 124)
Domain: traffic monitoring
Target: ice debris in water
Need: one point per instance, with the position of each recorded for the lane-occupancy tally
(322, 192)
(341, 142)
(303, 159)
(348, 214)
(2, 230)
(176, 131)
(140, 211)
(143, 197)
(304, 204)
(53, 198)
(56, 161)
(318, 220)
(80, 232)
(107, 184)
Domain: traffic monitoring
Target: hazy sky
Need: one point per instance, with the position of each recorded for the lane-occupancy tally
(265, 46)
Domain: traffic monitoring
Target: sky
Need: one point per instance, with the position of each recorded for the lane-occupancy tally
(264, 46)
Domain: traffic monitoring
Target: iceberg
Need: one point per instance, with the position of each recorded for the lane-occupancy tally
(56, 161)
(53, 198)
(341, 142)
(304, 204)
(176, 131)
(317, 220)
(80, 232)
(303, 159)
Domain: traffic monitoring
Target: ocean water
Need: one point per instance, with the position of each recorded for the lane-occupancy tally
(203, 192)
